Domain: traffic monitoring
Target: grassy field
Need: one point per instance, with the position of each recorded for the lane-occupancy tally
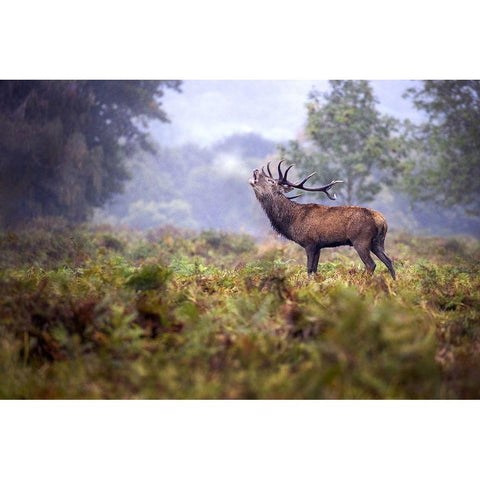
(104, 313)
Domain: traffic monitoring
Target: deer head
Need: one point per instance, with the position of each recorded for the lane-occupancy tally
(264, 184)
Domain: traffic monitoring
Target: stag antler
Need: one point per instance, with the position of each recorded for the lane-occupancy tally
(270, 175)
(282, 180)
(269, 172)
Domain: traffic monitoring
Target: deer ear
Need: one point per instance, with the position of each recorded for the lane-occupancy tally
(286, 189)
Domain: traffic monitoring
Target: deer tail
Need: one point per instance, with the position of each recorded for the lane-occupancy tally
(382, 228)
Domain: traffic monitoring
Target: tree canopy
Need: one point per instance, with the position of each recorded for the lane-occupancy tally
(349, 140)
(446, 168)
(63, 143)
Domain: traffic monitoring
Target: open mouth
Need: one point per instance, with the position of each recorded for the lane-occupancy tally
(254, 178)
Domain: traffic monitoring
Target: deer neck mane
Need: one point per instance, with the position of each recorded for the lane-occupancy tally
(280, 211)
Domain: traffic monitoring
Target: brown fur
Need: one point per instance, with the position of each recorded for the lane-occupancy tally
(315, 226)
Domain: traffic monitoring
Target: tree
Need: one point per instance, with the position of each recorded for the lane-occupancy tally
(446, 169)
(350, 141)
(63, 143)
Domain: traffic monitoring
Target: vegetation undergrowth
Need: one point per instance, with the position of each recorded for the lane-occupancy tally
(96, 312)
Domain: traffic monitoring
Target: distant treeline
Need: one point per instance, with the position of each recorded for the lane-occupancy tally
(202, 188)
(193, 187)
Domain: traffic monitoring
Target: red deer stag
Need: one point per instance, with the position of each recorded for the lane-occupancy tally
(316, 226)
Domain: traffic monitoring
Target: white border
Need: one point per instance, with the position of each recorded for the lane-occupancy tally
(238, 439)
(247, 40)
(215, 39)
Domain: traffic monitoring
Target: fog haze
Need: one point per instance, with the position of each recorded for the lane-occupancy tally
(219, 131)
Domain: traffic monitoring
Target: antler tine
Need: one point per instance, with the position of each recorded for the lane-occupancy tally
(295, 196)
(300, 185)
(280, 174)
(287, 170)
(268, 169)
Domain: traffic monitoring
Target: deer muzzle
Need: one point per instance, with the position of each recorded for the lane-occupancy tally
(254, 179)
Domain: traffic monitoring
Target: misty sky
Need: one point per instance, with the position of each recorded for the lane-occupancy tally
(208, 110)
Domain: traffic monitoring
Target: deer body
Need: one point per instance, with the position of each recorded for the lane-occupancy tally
(315, 226)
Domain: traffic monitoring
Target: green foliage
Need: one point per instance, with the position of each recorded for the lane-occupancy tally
(216, 315)
(445, 168)
(224, 243)
(150, 277)
(63, 143)
(351, 141)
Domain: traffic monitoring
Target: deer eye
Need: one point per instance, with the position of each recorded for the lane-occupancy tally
(269, 180)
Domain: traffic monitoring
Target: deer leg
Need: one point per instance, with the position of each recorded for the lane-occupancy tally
(380, 253)
(363, 251)
(313, 255)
